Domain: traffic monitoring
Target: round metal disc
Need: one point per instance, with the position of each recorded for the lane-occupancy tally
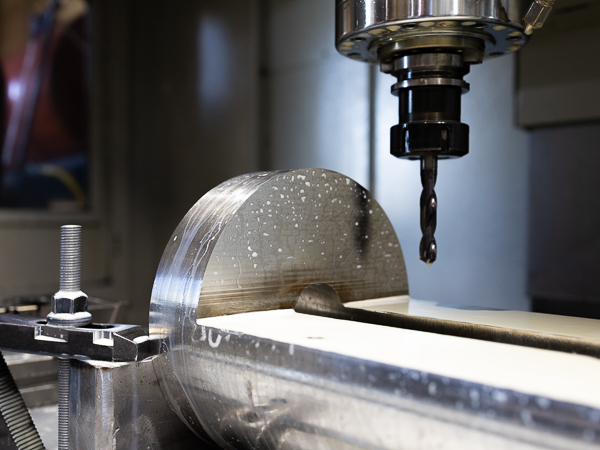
(254, 243)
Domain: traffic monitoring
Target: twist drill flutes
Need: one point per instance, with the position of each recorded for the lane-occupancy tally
(428, 246)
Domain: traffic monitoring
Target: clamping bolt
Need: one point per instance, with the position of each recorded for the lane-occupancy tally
(69, 304)
(69, 309)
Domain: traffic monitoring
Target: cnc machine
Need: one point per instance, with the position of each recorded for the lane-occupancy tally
(280, 314)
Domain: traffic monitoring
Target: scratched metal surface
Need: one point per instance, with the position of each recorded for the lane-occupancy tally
(273, 394)
(254, 243)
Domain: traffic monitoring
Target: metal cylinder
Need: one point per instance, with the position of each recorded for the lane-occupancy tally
(364, 27)
(429, 90)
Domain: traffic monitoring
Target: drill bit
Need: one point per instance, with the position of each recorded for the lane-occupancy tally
(428, 246)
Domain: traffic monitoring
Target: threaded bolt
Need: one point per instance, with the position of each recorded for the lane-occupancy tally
(64, 368)
(19, 428)
(70, 258)
(69, 309)
(69, 305)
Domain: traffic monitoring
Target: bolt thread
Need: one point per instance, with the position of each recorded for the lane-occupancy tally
(70, 258)
(15, 414)
(63, 403)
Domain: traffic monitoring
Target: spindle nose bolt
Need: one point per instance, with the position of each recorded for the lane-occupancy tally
(69, 304)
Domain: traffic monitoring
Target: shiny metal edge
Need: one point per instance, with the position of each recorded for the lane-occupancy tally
(368, 13)
(362, 27)
(174, 301)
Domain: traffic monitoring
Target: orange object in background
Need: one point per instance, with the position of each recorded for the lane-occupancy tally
(44, 156)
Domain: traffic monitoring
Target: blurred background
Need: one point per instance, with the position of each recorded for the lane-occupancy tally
(118, 115)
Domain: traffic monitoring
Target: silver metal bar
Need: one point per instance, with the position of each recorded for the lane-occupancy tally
(259, 393)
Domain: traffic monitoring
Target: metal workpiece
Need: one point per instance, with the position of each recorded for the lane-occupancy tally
(119, 406)
(104, 342)
(69, 304)
(313, 240)
(260, 393)
(254, 243)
